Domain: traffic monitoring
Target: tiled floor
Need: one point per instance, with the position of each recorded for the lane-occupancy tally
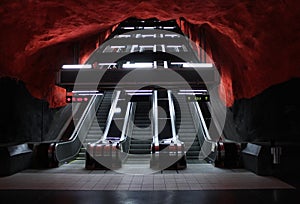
(196, 177)
(199, 183)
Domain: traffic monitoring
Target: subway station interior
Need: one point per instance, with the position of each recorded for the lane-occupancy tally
(149, 101)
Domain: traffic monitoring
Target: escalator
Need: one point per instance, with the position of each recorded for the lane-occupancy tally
(168, 149)
(141, 137)
(188, 131)
(103, 152)
(99, 120)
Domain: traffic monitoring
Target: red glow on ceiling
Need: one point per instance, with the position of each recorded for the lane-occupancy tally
(255, 44)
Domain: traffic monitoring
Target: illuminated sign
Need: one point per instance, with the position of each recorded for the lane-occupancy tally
(198, 98)
(77, 98)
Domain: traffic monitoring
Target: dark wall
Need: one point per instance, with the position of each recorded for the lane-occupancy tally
(23, 118)
(274, 115)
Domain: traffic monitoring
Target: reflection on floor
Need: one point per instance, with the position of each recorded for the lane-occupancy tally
(73, 176)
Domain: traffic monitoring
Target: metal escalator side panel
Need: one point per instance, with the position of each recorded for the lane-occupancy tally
(208, 144)
(95, 132)
(155, 122)
(127, 121)
(66, 151)
(127, 128)
(202, 124)
(117, 124)
(172, 115)
(110, 115)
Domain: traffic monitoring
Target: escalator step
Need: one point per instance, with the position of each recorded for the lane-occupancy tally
(188, 131)
(187, 136)
(91, 140)
(194, 148)
(139, 151)
(140, 146)
(137, 141)
(141, 133)
(94, 132)
(192, 153)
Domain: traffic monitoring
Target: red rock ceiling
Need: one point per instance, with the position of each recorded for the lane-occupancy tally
(255, 44)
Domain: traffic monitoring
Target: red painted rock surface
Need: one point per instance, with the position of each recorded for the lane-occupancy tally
(255, 44)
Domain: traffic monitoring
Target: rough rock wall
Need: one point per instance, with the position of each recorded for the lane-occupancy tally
(23, 117)
(255, 44)
(271, 117)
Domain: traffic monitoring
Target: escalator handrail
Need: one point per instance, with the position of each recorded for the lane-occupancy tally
(82, 119)
(155, 119)
(125, 139)
(201, 122)
(172, 117)
(110, 117)
(70, 119)
(74, 141)
(128, 116)
(214, 120)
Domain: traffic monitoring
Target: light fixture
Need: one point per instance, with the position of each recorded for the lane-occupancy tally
(85, 91)
(128, 28)
(139, 91)
(77, 66)
(193, 65)
(139, 94)
(118, 110)
(139, 65)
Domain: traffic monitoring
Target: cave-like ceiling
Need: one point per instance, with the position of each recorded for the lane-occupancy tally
(255, 44)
